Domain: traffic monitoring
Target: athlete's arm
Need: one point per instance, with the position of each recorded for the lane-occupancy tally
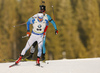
(52, 21)
(30, 22)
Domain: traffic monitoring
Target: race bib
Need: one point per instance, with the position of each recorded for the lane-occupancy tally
(38, 27)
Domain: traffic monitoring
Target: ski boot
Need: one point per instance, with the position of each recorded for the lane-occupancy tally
(38, 61)
(19, 59)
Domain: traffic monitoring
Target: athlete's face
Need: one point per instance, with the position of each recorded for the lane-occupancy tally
(40, 19)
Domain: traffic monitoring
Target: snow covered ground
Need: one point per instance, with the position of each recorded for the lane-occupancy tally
(91, 65)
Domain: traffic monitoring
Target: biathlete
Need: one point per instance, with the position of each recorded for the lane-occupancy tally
(40, 26)
(49, 19)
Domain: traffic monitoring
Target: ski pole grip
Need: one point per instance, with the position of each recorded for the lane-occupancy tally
(24, 36)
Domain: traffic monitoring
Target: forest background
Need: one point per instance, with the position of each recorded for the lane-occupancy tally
(78, 23)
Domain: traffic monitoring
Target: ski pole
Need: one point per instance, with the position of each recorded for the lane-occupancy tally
(19, 24)
(53, 12)
(24, 36)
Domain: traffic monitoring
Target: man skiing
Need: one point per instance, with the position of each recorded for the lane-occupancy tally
(47, 17)
(40, 26)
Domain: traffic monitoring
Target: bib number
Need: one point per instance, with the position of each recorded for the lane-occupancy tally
(39, 28)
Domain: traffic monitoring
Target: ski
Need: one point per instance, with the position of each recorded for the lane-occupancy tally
(44, 61)
(39, 66)
(13, 65)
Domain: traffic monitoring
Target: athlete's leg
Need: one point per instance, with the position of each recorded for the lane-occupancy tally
(40, 44)
(32, 50)
(28, 44)
(33, 47)
(44, 49)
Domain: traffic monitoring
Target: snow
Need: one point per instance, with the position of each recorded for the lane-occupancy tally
(89, 65)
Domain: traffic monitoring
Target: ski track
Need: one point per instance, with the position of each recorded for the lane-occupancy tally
(89, 65)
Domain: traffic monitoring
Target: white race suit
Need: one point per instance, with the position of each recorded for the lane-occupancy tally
(36, 35)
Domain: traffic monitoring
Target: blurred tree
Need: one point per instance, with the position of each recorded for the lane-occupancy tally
(93, 27)
(65, 22)
(8, 38)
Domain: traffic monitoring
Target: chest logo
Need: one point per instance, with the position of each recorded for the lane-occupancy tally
(39, 26)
